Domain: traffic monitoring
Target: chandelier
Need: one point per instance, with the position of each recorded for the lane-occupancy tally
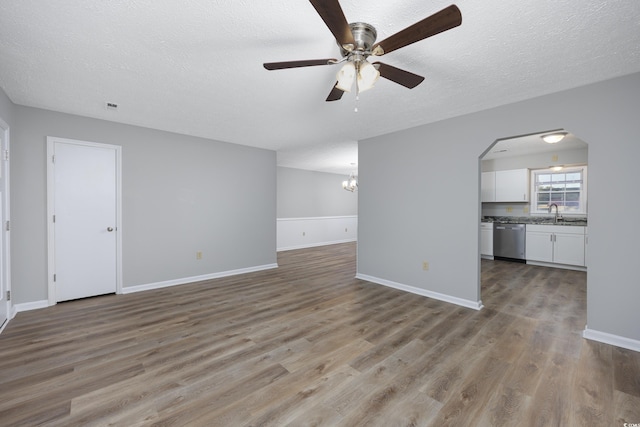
(351, 184)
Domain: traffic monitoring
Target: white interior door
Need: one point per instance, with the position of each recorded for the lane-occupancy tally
(85, 179)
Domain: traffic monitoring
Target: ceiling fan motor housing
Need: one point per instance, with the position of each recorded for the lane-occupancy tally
(365, 36)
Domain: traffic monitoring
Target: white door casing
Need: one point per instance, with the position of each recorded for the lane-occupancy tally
(84, 218)
(5, 285)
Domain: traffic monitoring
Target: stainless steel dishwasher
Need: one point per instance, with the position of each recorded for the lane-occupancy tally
(509, 241)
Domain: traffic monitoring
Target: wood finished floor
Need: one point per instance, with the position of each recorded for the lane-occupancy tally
(307, 344)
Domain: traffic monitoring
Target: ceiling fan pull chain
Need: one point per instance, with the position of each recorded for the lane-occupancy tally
(355, 110)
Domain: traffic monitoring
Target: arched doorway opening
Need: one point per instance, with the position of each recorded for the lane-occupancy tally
(543, 187)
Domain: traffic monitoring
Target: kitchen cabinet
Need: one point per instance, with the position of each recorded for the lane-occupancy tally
(512, 185)
(488, 187)
(505, 186)
(486, 240)
(586, 246)
(556, 244)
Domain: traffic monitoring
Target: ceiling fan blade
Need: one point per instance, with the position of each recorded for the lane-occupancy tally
(402, 77)
(335, 94)
(296, 64)
(447, 18)
(332, 15)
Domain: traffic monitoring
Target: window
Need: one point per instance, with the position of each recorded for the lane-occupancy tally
(567, 188)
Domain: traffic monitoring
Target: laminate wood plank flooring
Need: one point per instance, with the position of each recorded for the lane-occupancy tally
(307, 344)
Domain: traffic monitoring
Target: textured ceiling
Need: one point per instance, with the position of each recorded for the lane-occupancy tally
(196, 67)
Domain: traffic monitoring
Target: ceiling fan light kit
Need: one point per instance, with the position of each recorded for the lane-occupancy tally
(357, 41)
(345, 77)
(367, 76)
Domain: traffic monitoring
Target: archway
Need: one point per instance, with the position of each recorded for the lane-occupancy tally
(556, 177)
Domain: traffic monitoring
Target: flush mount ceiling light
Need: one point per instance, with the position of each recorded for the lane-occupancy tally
(357, 42)
(556, 168)
(554, 138)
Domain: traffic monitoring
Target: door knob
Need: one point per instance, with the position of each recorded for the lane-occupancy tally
(109, 229)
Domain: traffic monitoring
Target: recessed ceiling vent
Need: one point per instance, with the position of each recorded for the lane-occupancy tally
(111, 106)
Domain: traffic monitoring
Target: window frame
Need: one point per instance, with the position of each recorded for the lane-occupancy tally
(567, 169)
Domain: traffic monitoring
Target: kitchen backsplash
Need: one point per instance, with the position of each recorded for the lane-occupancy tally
(505, 209)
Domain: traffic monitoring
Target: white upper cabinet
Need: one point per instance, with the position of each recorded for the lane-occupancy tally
(512, 185)
(505, 186)
(488, 187)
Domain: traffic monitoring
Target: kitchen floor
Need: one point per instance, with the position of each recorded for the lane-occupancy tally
(556, 298)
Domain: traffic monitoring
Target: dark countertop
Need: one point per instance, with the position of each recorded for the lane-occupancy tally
(535, 220)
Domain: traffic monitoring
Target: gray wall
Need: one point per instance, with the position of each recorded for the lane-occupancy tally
(6, 108)
(537, 161)
(304, 194)
(434, 215)
(181, 194)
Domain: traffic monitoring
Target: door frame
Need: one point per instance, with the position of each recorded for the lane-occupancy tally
(51, 267)
(5, 235)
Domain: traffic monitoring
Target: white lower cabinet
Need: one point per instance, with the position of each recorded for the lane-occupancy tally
(556, 244)
(538, 246)
(569, 249)
(486, 239)
(586, 246)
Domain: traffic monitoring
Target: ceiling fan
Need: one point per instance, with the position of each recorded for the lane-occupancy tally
(357, 42)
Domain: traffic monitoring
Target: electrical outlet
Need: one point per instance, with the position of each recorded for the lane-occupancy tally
(198, 255)
(554, 158)
(509, 209)
(425, 265)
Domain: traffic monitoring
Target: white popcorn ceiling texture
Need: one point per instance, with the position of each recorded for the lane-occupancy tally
(196, 67)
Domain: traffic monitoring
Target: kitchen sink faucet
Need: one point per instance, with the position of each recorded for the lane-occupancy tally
(556, 217)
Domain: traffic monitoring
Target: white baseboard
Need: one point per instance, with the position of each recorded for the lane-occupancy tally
(556, 265)
(476, 305)
(35, 305)
(183, 281)
(10, 315)
(313, 245)
(27, 306)
(618, 341)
